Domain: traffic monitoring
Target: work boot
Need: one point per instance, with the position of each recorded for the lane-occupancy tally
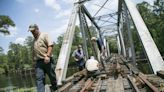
(53, 88)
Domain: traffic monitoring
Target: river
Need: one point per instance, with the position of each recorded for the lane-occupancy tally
(18, 83)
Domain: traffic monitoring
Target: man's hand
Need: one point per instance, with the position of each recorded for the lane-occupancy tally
(46, 59)
(76, 59)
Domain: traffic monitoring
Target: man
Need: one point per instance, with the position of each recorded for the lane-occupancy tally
(100, 45)
(42, 56)
(79, 57)
(101, 48)
(92, 67)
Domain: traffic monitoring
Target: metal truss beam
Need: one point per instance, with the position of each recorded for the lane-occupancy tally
(151, 49)
(106, 16)
(91, 18)
(127, 20)
(120, 29)
(62, 63)
(82, 29)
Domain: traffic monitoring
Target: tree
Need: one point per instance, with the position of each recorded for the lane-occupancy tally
(3, 61)
(1, 50)
(28, 50)
(153, 17)
(76, 40)
(5, 23)
(18, 56)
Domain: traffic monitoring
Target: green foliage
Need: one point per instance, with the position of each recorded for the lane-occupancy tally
(3, 62)
(32, 89)
(153, 17)
(112, 44)
(1, 50)
(5, 23)
(19, 56)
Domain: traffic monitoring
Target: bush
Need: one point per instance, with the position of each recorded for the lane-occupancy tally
(2, 70)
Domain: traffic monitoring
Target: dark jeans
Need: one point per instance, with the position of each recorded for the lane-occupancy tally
(81, 64)
(93, 73)
(41, 70)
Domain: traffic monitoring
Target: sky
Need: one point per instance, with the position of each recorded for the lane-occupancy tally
(51, 16)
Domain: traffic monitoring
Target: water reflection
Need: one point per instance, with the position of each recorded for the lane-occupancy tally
(15, 82)
(19, 83)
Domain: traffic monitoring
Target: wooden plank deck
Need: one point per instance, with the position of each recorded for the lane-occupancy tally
(118, 77)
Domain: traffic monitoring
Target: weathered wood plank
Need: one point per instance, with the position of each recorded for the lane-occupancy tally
(78, 86)
(115, 85)
(66, 87)
(148, 83)
(133, 84)
(160, 74)
(98, 86)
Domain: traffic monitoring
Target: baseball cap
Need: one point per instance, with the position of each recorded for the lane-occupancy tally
(79, 46)
(32, 27)
(93, 38)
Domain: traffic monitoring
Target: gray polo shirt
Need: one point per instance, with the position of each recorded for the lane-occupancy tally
(41, 46)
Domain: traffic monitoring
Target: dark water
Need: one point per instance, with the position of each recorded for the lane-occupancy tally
(18, 83)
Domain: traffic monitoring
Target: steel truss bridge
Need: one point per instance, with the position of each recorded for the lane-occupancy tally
(117, 24)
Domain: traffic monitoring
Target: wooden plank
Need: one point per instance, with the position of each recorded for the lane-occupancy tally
(160, 74)
(110, 85)
(126, 84)
(115, 85)
(98, 86)
(153, 88)
(90, 84)
(154, 79)
(119, 84)
(86, 85)
(133, 84)
(104, 85)
(77, 87)
(65, 88)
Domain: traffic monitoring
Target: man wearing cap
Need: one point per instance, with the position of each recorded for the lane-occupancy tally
(79, 57)
(42, 56)
(100, 45)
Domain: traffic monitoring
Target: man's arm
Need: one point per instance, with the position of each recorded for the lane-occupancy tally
(74, 55)
(48, 55)
(49, 51)
(76, 59)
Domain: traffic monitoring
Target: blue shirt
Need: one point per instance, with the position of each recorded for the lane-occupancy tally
(78, 54)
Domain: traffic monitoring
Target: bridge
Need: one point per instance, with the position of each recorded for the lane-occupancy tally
(119, 73)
